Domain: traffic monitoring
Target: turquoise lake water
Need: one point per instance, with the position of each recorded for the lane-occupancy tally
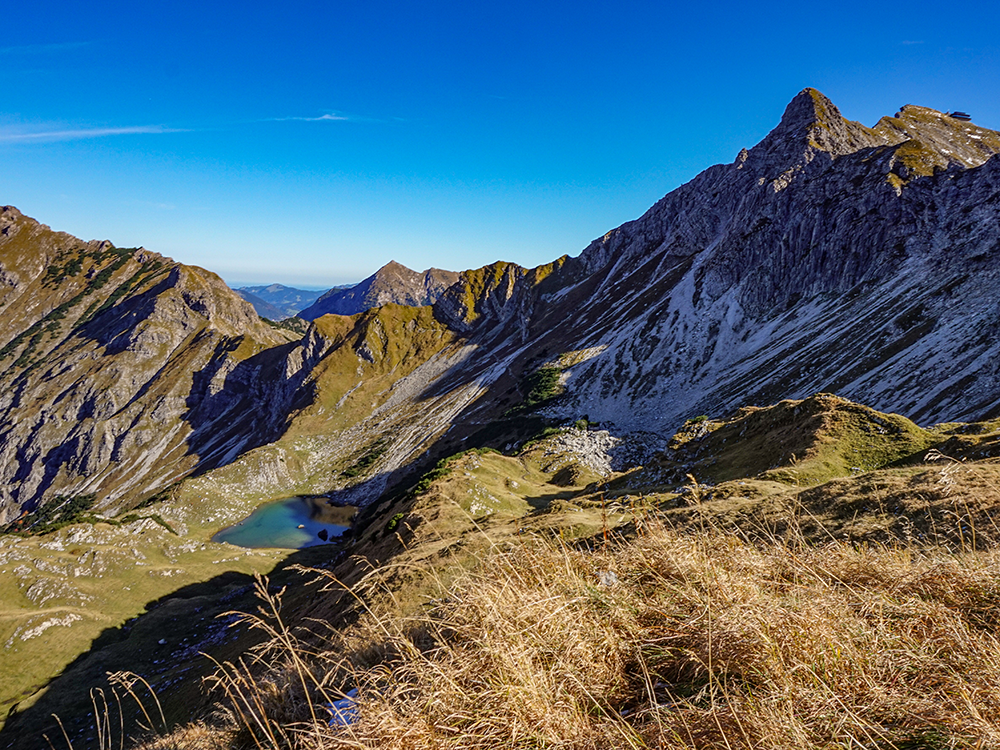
(277, 524)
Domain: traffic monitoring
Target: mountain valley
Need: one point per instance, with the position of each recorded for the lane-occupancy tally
(795, 347)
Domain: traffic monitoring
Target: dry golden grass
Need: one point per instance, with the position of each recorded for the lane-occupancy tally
(672, 639)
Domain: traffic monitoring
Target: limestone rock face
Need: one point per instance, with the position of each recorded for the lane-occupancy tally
(394, 283)
(120, 370)
(829, 257)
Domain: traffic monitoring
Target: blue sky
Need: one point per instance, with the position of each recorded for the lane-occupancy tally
(310, 143)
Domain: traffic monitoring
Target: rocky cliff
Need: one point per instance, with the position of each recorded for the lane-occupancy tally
(121, 370)
(829, 257)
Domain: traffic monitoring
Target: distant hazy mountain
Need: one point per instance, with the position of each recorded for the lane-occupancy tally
(263, 309)
(276, 301)
(393, 283)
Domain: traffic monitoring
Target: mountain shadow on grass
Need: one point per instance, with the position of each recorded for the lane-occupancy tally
(164, 646)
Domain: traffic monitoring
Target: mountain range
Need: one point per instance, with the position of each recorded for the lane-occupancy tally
(831, 257)
(276, 301)
(393, 283)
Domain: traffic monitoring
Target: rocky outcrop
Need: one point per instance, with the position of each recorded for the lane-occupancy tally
(500, 294)
(392, 284)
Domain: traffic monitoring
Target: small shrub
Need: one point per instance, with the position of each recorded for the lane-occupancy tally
(394, 522)
(293, 324)
(541, 387)
(57, 513)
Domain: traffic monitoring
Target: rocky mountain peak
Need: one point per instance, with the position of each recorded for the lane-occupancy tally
(393, 283)
(807, 109)
(812, 123)
(394, 267)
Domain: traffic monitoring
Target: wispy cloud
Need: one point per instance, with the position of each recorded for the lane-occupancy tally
(82, 133)
(909, 41)
(322, 118)
(42, 49)
(154, 204)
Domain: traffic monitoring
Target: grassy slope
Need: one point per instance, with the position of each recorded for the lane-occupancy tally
(111, 588)
(60, 592)
(521, 643)
(426, 546)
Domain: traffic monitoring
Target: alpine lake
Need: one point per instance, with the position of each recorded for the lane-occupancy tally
(293, 523)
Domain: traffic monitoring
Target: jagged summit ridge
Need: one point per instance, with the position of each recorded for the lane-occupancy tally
(729, 199)
(814, 121)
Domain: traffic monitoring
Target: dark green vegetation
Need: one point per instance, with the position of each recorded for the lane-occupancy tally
(70, 263)
(540, 388)
(543, 385)
(56, 514)
(109, 261)
(394, 522)
(368, 459)
(149, 271)
(60, 512)
(293, 324)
